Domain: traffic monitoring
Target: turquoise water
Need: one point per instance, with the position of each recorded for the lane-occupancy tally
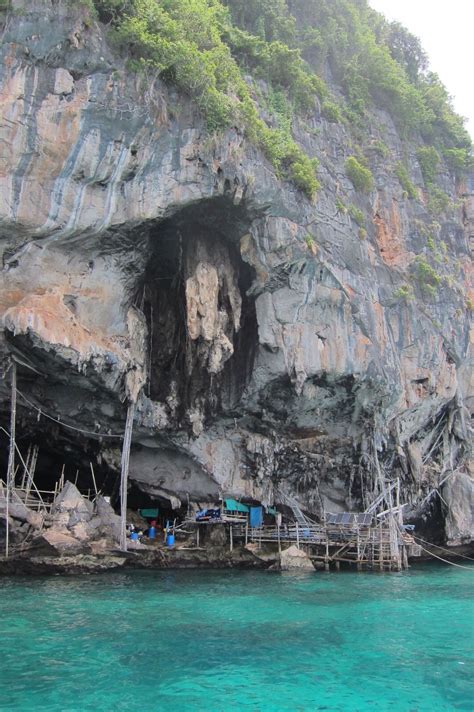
(194, 640)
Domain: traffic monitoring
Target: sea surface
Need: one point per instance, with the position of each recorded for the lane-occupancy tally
(209, 640)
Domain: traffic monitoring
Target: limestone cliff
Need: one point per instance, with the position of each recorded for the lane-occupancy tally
(270, 341)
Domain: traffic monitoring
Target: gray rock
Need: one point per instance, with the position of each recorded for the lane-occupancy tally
(71, 500)
(106, 519)
(295, 559)
(264, 360)
(458, 493)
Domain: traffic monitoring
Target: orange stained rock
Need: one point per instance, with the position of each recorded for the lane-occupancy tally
(361, 350)
(48, 318)
(388, 234)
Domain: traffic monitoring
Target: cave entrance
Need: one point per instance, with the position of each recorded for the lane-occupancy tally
(202, 324)
(138, 500)
(49, 455)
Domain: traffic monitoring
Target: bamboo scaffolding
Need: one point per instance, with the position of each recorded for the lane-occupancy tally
(11, 458)
(127, 442)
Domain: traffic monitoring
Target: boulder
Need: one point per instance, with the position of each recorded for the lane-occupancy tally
(294, 558)
(18, 510)
(108, 520)
(70, 499)
(61, 542)
(458, 493)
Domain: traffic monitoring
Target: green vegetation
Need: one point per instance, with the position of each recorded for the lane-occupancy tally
(224, 52)
(380, 148)
(193, 45)
(428, 278)
(331, 112)
(378, 62)
(457, 160)
(403, 293)
(310, 244)
(438, 201)
(340, 206)
(431, 244)
(428, 158)
(360, 176)
(357, 215)
(405, 182)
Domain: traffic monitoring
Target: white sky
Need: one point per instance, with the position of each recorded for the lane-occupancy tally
(445, 28)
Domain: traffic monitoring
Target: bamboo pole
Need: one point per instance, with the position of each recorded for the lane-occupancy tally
(127, 442)
(380, 547)
(93, 478)
(359, 564)
(11, 458)
(25, 469)
(326, 558)
(31, 474)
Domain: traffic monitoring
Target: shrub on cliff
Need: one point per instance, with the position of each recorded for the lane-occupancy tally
(184, 41)
(428, 158)
(209, 47)
(360, 176)
(405, 181)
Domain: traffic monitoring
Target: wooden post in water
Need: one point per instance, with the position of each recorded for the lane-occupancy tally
(297, 536)
(231, 538)
(127, 442)
(381, 547)
(326, 560)
(359, 563)
(11, 459)
(197, 536)
(246, 532)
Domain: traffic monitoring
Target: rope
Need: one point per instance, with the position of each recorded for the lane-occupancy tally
(462, 556)
(66, 425)
(451, 563)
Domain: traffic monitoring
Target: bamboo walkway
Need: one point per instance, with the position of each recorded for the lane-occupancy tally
(370, 547)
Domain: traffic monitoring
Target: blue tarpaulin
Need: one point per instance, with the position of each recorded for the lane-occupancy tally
(256, 516)
(231, 505)
(150, 513)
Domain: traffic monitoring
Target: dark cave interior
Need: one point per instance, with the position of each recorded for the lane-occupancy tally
(79, 398)
(210, 228)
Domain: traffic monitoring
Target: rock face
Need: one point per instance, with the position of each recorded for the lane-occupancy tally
(143, 261)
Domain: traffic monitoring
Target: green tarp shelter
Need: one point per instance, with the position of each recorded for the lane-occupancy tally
(231, 505)
(149, 513)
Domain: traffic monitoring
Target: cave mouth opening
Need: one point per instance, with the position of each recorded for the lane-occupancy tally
(49, 455)
(202, 324)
